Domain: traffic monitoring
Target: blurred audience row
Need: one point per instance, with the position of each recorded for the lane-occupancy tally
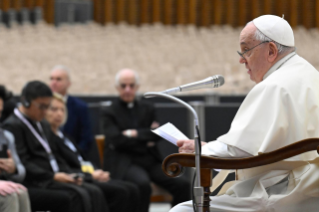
(45, 138)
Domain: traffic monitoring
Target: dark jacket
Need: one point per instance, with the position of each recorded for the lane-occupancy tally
(78, 125)
(7, 143)
(119, 149)
(70, 157)
(33, 156)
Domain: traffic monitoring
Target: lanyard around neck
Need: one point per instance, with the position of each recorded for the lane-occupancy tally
(34, 132)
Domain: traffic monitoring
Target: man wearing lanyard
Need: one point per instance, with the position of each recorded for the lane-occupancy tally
(44, 168)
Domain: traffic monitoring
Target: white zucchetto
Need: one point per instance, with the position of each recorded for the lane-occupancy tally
(276, 28)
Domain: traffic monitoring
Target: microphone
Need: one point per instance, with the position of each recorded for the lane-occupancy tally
(210, 82)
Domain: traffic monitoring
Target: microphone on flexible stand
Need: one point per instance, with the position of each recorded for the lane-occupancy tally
(210, 82)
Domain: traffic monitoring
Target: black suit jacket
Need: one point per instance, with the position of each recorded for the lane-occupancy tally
(78, 125)
(119, 149)
(33, 156)
(70, 157)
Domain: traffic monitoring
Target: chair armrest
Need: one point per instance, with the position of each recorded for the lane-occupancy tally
(173, 164)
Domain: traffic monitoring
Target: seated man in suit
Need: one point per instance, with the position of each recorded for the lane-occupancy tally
(115, 191)
(13, 196)
(8, 105)
(44, 168)
(77, 125)
(131, 152)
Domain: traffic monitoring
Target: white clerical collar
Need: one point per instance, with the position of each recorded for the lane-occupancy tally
(130, 105)
(277, 65)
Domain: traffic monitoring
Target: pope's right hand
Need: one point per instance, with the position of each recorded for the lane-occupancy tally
(187, 146)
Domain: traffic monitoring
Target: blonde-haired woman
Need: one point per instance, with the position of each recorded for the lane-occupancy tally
(121, 196)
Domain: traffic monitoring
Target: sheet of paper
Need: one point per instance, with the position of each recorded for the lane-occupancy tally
(169, 132)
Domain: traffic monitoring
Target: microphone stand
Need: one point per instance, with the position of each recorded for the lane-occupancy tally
(198, 189)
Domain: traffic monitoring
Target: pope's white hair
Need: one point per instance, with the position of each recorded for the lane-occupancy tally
(262, 38)
(118, 75)
(63, 68)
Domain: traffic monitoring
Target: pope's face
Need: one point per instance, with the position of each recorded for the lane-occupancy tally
(255, 60)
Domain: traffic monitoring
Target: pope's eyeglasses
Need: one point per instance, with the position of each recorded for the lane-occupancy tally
(242, 53)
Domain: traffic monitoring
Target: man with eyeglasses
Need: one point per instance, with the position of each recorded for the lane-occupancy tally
(46, 171)
(130, 152)
(281, 109)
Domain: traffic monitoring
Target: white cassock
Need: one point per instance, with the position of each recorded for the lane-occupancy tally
(280, 110)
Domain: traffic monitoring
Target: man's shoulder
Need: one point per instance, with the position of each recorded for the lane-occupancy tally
(77, 102)
(13, 124)
(9, 136)
(111, 108)
(296, 73)
(145, 103)
(12, 120)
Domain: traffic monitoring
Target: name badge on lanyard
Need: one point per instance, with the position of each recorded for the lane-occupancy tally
(44, 143)
(87, 167)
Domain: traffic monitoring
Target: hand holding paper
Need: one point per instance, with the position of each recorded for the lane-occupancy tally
(169, 132)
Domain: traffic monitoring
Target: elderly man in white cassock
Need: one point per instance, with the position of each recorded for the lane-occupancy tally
(281, 109)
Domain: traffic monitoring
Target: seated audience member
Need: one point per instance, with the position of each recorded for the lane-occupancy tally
(281, 109)
(44, 168)
(131, 153)
(77, 125)
(13, 196)
(8, 103)
(116, 192)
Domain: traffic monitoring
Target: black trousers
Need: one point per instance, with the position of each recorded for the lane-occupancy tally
(51, 200)
(90, 197)
(180, 188)
(121, 196)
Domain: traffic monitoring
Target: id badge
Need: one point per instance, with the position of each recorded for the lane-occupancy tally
(53, 163)
(87, 167)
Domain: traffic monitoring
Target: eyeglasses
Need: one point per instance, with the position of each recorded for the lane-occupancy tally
(123, 86)
(242, 54)
(42, 107)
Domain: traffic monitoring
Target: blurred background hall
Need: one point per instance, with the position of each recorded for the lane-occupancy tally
(168, 42)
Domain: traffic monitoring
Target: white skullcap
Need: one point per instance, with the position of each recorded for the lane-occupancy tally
(276, 28)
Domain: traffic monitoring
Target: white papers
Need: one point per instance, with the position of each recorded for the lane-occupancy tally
(169, 132)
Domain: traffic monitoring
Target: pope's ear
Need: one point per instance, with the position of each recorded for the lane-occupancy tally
(272, 52)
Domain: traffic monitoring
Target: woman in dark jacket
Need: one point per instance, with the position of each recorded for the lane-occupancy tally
(120, 195)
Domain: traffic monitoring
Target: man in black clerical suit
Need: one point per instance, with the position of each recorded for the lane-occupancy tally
(45, 169)
(131, 152)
